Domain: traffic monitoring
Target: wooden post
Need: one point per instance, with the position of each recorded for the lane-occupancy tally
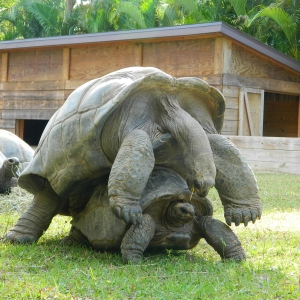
(241, 112)
(222, 57)
(249, 116)
(66, 64)
(262, 108)
(138, 55)
(299, 116)
(19, 128)
(4, 75)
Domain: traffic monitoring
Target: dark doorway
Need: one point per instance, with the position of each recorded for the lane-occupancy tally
(33, 130)
(281, 115)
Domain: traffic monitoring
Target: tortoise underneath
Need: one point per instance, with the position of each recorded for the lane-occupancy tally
(173, 218)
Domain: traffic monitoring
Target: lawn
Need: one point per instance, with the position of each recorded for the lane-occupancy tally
(48, 270)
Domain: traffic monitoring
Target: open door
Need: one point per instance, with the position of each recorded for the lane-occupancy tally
(281, 115)
(30, 130)
(251, 112)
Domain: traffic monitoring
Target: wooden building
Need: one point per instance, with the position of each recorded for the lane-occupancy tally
(261, 85)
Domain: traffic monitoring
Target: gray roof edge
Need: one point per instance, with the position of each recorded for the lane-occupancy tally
(111, 36)
(158, 32)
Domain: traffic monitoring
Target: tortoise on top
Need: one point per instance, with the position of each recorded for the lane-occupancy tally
(122, 124)
(173, 218)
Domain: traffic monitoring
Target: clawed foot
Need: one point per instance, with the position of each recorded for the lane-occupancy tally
(17, 237)
(130, 257)
(129, 213)
(240, 215)
(236, 253)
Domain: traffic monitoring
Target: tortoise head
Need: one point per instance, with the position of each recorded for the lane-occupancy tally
(179, 213)
(11, 167)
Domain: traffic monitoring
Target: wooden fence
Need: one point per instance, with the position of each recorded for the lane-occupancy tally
(270, 154)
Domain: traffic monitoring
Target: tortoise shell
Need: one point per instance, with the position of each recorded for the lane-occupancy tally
(70, 154)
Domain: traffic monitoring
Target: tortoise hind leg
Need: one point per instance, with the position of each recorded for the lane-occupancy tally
(75, 237)
(129, 175)
(32, 223)
(221, 238)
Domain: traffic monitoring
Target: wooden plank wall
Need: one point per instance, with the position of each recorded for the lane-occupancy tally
(35, 82)
(270, 154)
(249, 64)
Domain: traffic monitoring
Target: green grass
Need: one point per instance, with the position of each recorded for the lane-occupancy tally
(272, 270)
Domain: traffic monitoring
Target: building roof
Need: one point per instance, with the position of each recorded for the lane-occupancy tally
(218, 28)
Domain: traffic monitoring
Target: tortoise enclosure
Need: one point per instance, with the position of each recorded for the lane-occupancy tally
(261, 88)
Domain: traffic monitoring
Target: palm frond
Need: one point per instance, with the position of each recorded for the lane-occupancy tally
(131, 10)
(239, 7)
(282, 18)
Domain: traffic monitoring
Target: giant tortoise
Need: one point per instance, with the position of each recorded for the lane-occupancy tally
(173, 218)
(12, 146)
(122, 124)
(9, 170)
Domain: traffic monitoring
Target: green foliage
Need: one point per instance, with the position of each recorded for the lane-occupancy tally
(6, 3)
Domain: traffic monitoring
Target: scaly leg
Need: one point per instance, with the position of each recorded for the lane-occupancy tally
(31, 225)
(129, 175)
(221, 238)
(235, 182)
(136, 240)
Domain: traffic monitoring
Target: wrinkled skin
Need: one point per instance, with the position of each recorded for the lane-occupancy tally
(9, 169)
(116, 125)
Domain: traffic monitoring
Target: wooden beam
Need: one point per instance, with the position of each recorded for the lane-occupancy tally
(29, 114)
(66, 64)
(266, 84)
(4, 73)
(45, 85)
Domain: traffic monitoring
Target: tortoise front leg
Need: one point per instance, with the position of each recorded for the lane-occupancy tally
(31, 224)
(137, 239)
(221, 238)
(129, 175)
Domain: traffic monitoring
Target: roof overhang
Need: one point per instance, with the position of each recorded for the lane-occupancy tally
(217, 28)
